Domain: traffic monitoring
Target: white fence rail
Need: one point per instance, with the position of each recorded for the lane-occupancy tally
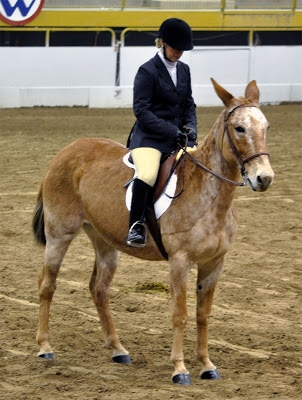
(86, 76)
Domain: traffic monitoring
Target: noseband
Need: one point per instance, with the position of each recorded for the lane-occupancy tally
(240, 160)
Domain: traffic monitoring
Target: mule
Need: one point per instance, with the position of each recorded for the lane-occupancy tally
(84, 188)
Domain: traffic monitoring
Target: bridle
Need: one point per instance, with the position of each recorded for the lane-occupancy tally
(241, 161)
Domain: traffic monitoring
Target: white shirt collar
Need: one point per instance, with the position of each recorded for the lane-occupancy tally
(171, 67)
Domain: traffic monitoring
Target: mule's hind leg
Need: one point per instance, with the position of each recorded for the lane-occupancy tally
(54, 253)
(106, 258)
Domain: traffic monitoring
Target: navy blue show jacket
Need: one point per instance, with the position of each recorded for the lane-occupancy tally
(160, 107)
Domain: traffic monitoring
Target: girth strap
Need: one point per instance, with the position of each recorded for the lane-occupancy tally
(154, 230)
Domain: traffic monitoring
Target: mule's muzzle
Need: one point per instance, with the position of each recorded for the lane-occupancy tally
(261, 183)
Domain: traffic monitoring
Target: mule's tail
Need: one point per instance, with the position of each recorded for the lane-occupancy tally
(38, 219)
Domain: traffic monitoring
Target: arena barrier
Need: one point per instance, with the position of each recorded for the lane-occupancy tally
(96, 77)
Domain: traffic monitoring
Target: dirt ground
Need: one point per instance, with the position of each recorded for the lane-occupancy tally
(255, 329)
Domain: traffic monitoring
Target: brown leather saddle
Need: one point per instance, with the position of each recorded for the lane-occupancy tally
(167, 168)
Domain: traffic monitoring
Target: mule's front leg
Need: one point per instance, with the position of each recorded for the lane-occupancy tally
(178, 286)
(206, 283)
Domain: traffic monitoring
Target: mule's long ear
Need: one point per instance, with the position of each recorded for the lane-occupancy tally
(223, 94)
(252, 92)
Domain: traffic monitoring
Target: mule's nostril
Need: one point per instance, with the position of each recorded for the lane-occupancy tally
(264, 181)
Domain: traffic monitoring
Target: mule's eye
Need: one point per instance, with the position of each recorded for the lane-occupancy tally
(239, 129)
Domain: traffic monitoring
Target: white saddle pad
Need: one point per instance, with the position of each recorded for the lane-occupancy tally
(163, 202)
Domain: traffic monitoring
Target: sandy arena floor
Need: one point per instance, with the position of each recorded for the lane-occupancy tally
(255, 330)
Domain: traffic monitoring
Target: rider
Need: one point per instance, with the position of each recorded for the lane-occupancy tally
(165, 116)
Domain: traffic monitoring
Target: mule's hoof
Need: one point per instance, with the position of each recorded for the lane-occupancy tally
(122, 359)
(182, 379)
(210, 374)
(46, 356)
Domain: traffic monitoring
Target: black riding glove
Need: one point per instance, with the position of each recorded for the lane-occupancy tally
(181, 138)
(192, 135)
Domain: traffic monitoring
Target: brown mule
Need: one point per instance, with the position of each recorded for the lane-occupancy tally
(83, 188)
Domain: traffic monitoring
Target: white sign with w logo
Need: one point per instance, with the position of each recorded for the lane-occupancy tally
(19, 12)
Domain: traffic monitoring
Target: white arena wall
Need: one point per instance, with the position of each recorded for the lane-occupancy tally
(86, 76)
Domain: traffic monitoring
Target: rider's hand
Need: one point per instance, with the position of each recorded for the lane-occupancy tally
(192, 135)
(181, 138)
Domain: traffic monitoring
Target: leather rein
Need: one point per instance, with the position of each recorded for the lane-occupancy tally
(235, 152)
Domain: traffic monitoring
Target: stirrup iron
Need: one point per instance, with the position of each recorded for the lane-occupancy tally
(137, 236)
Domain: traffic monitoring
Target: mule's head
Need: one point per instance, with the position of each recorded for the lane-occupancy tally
(243, 140)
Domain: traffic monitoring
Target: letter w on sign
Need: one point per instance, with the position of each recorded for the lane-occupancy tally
(20, 4)
(19, 12)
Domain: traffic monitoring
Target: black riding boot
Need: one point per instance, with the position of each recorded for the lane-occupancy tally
(137, 235)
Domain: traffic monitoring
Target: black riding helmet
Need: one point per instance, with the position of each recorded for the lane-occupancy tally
(176, 33)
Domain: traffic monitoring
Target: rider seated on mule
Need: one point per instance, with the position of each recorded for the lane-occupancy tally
(165, 117)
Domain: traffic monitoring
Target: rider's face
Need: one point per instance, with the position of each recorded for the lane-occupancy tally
(171, 54)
